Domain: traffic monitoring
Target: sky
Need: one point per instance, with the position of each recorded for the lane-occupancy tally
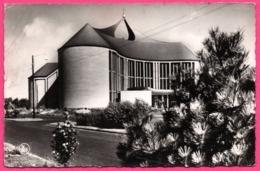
(40, 30)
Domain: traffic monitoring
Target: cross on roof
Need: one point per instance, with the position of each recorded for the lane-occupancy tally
(123, 13)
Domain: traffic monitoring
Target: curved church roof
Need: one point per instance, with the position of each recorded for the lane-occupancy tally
(136, 46)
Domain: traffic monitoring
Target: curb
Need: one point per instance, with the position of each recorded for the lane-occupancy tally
(91, 128)
(24, 119)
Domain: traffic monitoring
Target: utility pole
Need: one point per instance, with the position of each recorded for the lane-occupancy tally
(33, 86)
(33, 83)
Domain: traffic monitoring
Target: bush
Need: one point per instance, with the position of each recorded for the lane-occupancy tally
(140, 138)
(115, 115)
(10, 113)
(65, 141)
(103, 118)
(91, 118)
(80, 119)
(97, 119)
(17, 113)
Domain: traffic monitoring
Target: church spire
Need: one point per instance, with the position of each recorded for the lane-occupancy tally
(123, 13)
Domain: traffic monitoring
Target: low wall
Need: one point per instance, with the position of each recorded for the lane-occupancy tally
(132, 95)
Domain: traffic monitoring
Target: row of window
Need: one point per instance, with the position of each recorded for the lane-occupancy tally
(125, 74)
(140, 74)
(170, 71)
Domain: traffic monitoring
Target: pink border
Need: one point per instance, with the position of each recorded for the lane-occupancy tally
(257, 167)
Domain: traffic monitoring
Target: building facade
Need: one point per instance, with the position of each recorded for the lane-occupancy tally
(128, 75)
(96, 66)
(44, 84)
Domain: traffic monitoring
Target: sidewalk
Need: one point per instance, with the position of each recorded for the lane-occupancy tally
(14, 158)
(92, 128)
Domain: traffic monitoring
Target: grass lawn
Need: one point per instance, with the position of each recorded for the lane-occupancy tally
(13, 158)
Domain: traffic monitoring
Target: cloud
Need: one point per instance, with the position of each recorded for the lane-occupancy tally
(36, 28)
(41, 38)
(46, 35)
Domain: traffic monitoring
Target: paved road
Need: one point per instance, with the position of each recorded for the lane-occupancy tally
(96, 148)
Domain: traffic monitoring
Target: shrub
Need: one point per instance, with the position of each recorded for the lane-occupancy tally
(95, 119)
(115, 115)
(17, 113)
(64, 142)
(140, 139)
(92, 118)
(80, 119)
(106, 118)
(11, 113)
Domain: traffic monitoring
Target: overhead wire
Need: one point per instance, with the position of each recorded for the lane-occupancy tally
(218, 8)
(156, 28)
(169, 22)
(195, 17)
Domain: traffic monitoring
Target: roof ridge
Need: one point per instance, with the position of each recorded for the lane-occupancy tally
(45, 70)
(73, 41)
(188, 49)
(136, 49)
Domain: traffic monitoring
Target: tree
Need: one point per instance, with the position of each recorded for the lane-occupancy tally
(213, 120)
(7, 102)
(219, 106)
(24, 103)
(15, 102)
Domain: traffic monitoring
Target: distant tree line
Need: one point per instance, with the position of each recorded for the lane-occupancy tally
(16, 103)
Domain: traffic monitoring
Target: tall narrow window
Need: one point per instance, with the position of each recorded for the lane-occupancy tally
(112, 75)
(139, 74)
(131, 74)
(164, 76)
(116, 75)
(188, 70)
(121, 74)
(175, 73)
(148, 76)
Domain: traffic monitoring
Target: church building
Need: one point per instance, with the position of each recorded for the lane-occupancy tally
(117, 63)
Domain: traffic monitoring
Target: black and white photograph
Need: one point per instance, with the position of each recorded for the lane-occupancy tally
(129, 85)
